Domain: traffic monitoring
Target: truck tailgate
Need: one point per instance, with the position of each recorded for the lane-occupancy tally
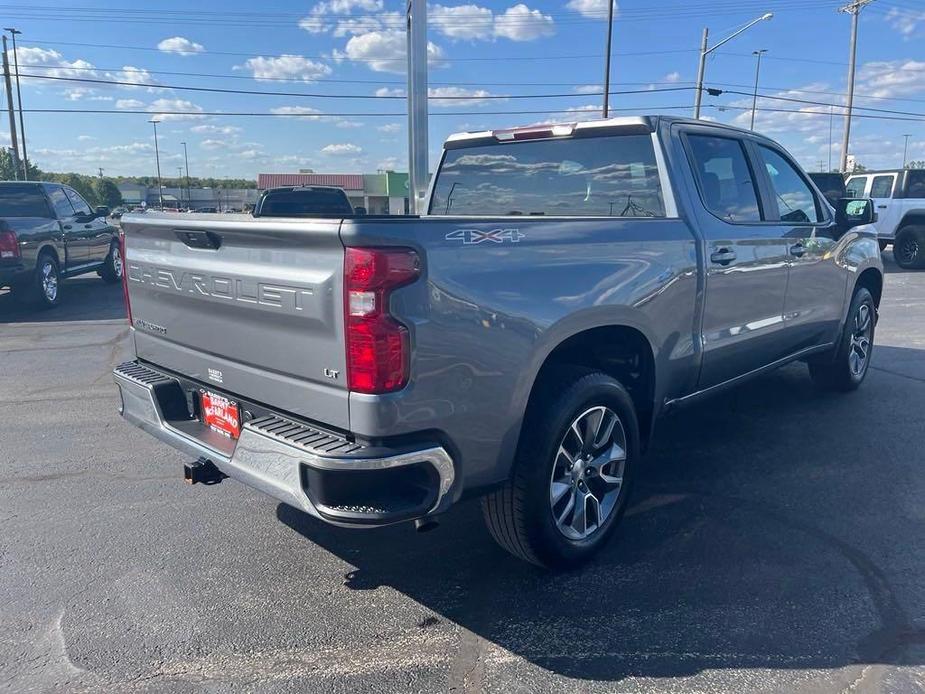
(253, 306)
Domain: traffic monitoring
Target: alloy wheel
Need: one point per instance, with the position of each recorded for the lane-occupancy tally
(49, 281)
(117, 264)
(907, 250)
(587, 476)
(861, 336)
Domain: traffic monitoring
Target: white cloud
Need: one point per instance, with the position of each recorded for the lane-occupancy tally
(460, 96)
(388, 91)
(388, 164)
(589, 89)
(595, 9)
(384, 51)
(520, 23)
(892, 78)
(212, 144)
(304, 112)
(466, 22)
(672, 77)
(287, 66)
(906, 22)
(208, 129)
(132, 104)
(315, 23)
(159, 106)
(129, 73)
(341, 149)
(85, 138)
(348, 124)
(180, 46)
(390, 128)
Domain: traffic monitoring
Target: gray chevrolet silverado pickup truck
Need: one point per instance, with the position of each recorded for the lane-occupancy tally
(48, 232)
(568, 285)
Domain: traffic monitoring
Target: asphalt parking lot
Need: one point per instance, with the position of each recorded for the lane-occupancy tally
(776, 542)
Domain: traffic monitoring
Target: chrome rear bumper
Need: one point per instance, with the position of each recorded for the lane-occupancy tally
(292, 461)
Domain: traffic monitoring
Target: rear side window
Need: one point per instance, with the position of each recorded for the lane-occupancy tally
(796, 203)
(613, 176)
(59, 201)
(915, 186)
(80, 205)
(724, 177)
(881, 187)
(854, 188)
(23, 201)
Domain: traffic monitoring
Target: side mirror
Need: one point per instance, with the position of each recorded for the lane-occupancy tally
(853, 212)
(102, 211)
(359, 211)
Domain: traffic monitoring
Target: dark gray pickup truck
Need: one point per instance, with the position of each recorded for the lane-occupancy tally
(569, 285)
(48, 232)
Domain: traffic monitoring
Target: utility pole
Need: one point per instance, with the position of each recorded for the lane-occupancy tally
(906, 147)
(831, 118)
(9, 105)
(755, 95)
(417, 104)
(854, 9)
(100, 169)
(704, 52)
(157, 159)
(22, 125)
(189, 196)
(607, 58)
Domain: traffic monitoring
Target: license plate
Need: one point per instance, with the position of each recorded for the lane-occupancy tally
(220, 414)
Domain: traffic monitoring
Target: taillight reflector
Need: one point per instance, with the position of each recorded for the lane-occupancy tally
(9, 245)
(378, 346)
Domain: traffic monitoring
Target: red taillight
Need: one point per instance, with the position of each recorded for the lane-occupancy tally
(377, 345)
(9, 245)
(128, 303)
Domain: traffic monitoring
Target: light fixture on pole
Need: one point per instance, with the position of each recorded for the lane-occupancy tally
(189, 197)
(704, 52)
(157, 159)
(22, 127)
(854, 9)
(755, 94)
(607, 58)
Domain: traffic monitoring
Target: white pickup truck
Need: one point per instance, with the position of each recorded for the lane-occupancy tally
(899, 198)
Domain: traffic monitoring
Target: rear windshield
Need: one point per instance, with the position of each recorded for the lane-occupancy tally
(23, 201)
(613, 176)
(300, 203)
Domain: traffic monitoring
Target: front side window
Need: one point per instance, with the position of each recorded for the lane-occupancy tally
(605, 176)
(854, 188)
(795, 201)
(881, 186)
(80, 205)
(915, 183)
(725, 179)
(59, 201)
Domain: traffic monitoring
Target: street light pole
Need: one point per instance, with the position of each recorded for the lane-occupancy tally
(704, 52)
(854, 9)
(157, 159)
(906, 147)
(22, 127)
(607, 58)
(755, 94)
(189, 196)
(418, 159)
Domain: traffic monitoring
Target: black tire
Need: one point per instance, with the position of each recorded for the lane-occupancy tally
(519, 515)
(35, 292)
(909, 247)
(883, 245)
(841, 373)
(113, 267)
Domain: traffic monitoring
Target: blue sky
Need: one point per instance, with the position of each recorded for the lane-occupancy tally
(483, 53)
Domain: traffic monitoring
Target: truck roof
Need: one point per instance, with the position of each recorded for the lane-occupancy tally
(628, 124)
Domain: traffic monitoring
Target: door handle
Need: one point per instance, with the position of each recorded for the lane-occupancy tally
(88, 226)
(881, 207)
(723, 256)
(797, 250)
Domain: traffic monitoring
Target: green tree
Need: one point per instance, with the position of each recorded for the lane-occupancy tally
(107, 193)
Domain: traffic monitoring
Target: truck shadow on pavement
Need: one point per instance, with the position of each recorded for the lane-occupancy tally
(758, 537)
(82, 299)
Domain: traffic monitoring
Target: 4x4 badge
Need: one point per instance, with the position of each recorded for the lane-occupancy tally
(471, 237)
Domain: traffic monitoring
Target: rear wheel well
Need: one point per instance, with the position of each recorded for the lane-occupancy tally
(621, 352)
(872, 280)
(49, 250)
(911, 219)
